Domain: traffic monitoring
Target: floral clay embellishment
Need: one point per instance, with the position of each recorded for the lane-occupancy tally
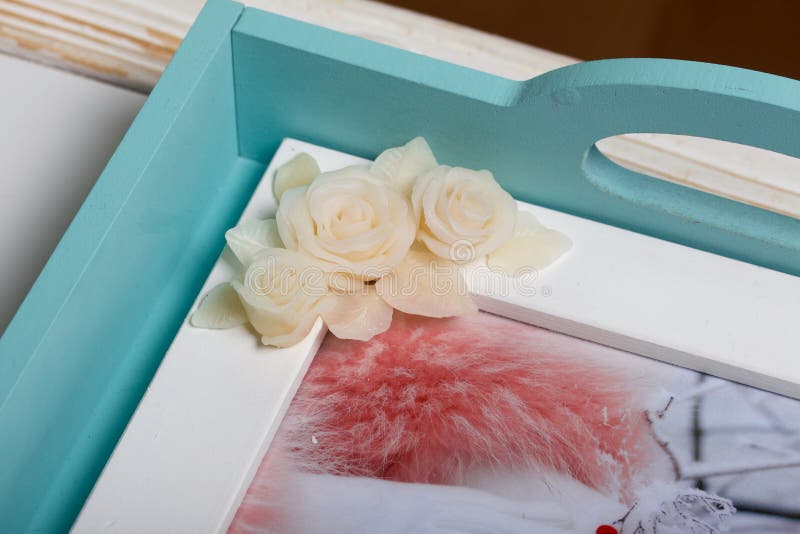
(352, 245)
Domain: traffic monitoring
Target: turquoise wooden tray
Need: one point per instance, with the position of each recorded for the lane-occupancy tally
(82, 348)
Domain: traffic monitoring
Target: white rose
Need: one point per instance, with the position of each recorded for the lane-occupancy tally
(348, 220)
(463, 214)
(282, 294)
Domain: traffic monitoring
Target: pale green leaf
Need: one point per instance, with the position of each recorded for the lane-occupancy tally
(219, 309)
(252, 237)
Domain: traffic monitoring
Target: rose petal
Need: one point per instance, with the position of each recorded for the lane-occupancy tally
(460, 209)
(219, 309)
(323, 221)
(293, 212)
(297, 172)
(282, 294)
(534, 251)
(400, 166)
(423, 284)
(333, 194)
(359, 315)
(278, 326)
(252, 237)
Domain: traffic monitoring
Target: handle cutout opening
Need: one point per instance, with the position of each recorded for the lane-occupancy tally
(746, 174)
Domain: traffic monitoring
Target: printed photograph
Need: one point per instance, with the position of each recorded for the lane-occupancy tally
(481, 424)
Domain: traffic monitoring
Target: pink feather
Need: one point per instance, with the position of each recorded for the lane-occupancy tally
(431, 399)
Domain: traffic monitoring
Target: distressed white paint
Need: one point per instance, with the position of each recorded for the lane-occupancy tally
(129, 42)
(209, 414)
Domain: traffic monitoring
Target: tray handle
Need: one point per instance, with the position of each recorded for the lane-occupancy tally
(588, 102)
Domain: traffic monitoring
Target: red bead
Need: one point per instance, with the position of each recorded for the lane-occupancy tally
(606, 529)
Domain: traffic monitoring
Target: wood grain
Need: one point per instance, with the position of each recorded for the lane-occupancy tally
(129, 43)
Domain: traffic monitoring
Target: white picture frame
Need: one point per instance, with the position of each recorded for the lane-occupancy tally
(191, 449)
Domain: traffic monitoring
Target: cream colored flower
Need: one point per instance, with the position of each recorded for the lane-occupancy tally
(348, 220)
(365, 240)
(533, 246)
(423, 284)
(282, 294)
(463, 214)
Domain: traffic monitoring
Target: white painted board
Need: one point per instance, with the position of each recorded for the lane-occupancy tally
(57, 131)
(200, 432)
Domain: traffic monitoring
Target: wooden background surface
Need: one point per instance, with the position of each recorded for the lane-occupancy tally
(129, 42)
(759, 35)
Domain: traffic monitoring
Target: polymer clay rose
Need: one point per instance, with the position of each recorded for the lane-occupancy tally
(348, 221)
(282, 294)
(352, 245)
(463, 214)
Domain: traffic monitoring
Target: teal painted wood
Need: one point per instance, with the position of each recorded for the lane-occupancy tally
(82, 348)
(537, 136)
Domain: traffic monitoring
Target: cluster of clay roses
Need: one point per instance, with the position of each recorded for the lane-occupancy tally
(352, 245)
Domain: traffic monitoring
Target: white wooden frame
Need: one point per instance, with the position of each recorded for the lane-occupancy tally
(209, 415)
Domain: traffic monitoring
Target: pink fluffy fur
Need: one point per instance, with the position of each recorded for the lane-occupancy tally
(431, 399)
